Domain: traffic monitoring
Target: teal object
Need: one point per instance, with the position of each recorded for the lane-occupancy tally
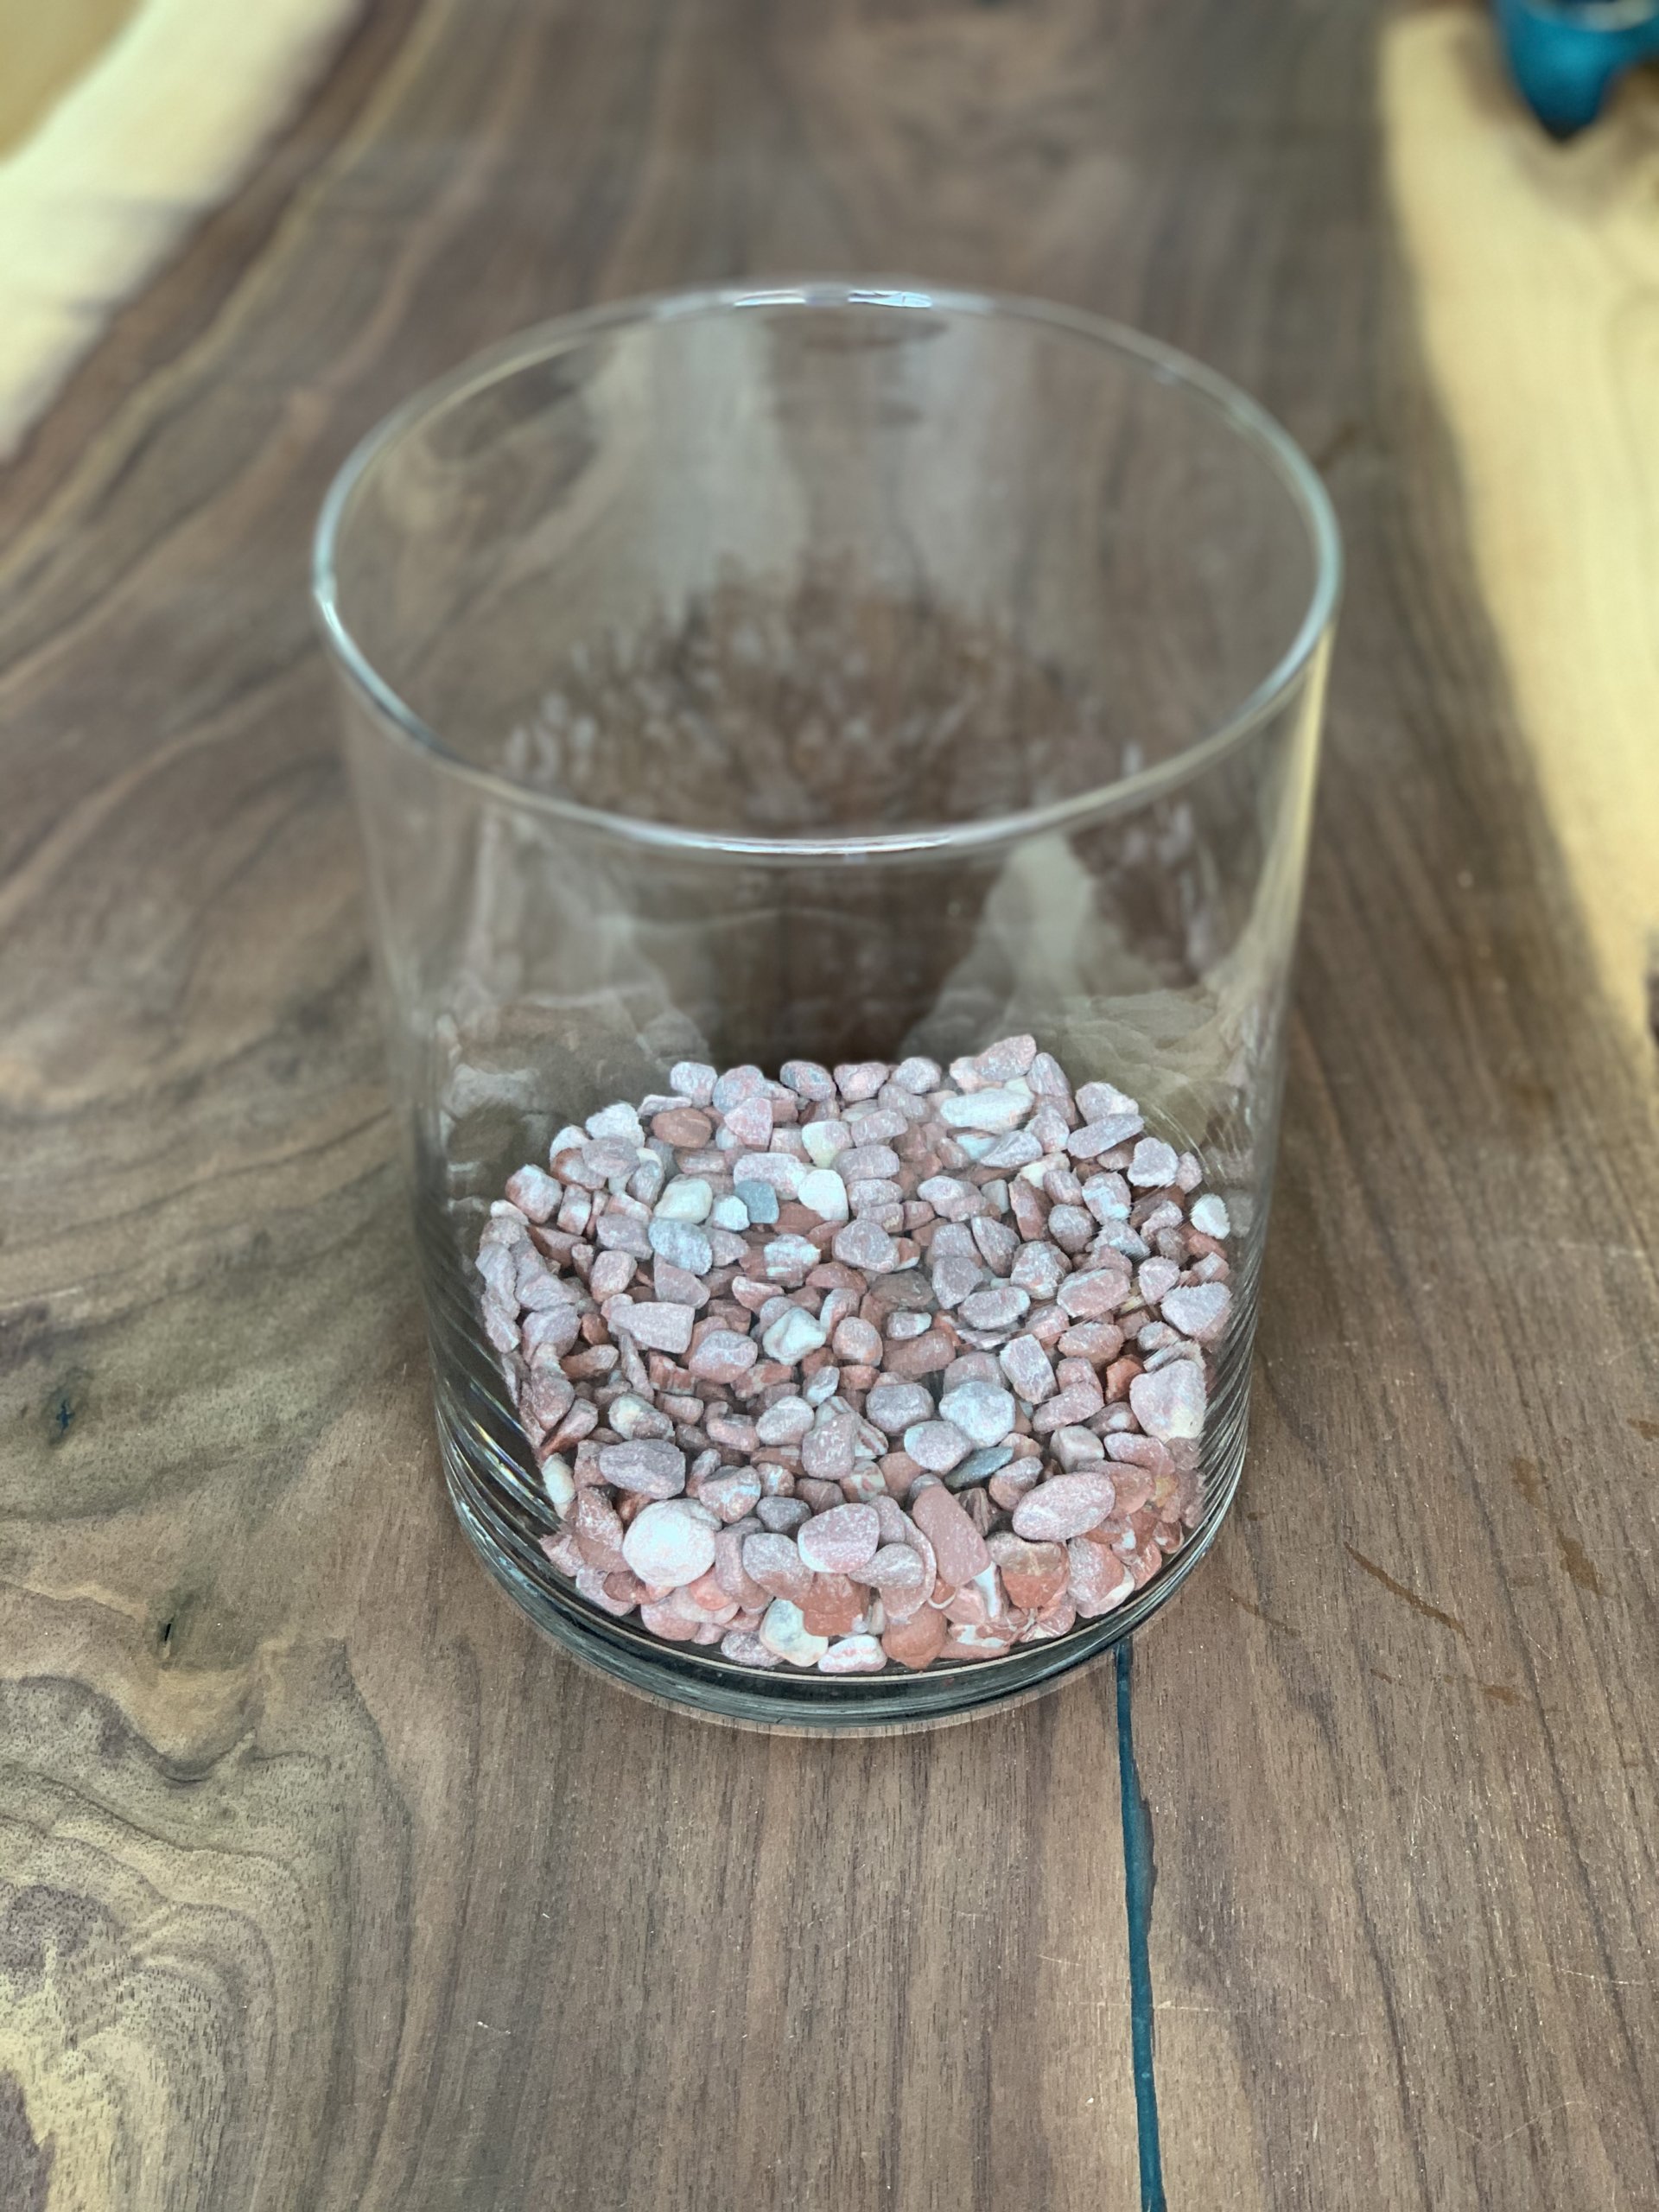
(1564, 54)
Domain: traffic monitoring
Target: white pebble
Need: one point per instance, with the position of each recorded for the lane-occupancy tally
(825, 1140)
(1153, 1164)
(792, 1337)
(984, 1413)
(688, 1198)
(621, 1120)
(1209, 1216)
(994, 1111)
(693, 1080)
(824, 1194)
(783, 1631)
(671, 1542)
(559, 1483)
(1170, 1402)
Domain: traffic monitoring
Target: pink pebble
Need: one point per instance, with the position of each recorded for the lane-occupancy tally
(1097, 1581)
(722, 1356)
(1064, 1506)
(839, 1541)
(774, 1561)
(958, 1547)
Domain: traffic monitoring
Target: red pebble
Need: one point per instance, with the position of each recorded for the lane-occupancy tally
(917, 1642)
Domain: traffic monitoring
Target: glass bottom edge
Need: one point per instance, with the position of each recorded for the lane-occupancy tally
(797, 1703)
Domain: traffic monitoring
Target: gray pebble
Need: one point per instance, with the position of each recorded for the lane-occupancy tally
(758, 1200)
(955, 1278)
(1000, 1308)
(681, 1244)
(782, 1515)
(893, 1406)
(939, 1446)
(1028, 1367)
(651, 1468)
(980, 1467)
(786, 1422)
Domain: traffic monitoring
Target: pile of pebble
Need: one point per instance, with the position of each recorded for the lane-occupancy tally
(866, 1366)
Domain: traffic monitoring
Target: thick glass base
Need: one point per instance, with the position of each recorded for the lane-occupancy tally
(503, 1532)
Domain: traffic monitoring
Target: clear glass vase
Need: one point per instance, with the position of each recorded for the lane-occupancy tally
(834, 673)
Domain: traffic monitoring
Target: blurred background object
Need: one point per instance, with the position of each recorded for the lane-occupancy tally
(1566, 54)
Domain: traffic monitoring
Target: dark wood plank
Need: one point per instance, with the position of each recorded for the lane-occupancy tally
(323, 1882)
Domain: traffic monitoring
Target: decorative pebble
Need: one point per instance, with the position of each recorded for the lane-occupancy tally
(958, 1547)
(841, 1541)
(948, 1263)
(687, 1198)
(824, 1193)
(654, 1327)
(785, 1422)
(865, 1245)
(1208, 1214)
(785, 1635)
(1066, 1505)
(1153, 1164)
(1170, 1403)
(792, 1336)
(984, 1414)
(671, 1542)
(722, 1357)
(994, 1111)
(999, 1309)
(1198, 1309)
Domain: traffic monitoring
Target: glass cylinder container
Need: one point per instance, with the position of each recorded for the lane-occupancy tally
(829, 673)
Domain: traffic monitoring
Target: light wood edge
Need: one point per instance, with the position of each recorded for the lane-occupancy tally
(162, 127)
(1535, 269)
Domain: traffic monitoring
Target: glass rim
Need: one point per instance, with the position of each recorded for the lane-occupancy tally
(1246, 417)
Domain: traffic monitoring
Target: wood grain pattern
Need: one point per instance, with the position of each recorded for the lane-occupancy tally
(324, 1883)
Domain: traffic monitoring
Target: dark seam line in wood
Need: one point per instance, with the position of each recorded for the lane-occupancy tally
(1139, 1876)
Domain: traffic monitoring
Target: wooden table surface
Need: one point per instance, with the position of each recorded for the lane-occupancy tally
(325, 1883)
